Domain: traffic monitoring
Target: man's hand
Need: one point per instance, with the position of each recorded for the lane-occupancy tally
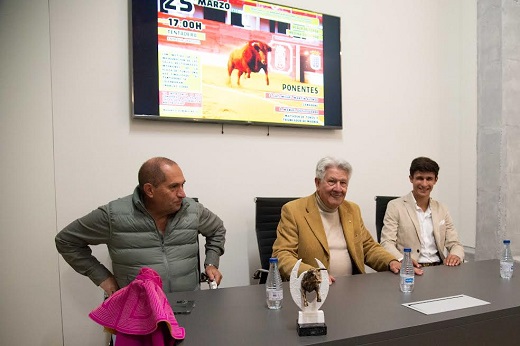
(452, 260)
(332, 279)
(109, 286)
(395, 267)
(417, 268)
(213, 274)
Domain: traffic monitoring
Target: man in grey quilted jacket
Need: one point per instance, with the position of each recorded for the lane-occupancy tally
(156, 227)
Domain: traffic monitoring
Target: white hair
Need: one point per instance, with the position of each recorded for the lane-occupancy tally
(332, 162)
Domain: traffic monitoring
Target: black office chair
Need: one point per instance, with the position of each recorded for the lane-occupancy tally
(381, 203)
(268, 211)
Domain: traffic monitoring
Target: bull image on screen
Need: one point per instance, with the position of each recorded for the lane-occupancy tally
(252, 57)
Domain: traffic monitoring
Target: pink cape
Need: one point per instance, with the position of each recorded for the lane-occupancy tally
(138, 308)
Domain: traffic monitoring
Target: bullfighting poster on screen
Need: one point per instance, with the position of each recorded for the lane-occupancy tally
(240, 60)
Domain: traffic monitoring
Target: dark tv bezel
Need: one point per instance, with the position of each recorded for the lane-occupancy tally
(145, 72)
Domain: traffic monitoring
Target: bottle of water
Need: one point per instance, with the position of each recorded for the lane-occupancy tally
(407, 273)
(273, 286)
(506, 261)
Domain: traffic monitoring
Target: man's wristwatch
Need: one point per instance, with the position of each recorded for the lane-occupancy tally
(210, 265)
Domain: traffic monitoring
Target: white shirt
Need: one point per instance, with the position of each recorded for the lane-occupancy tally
(428, 251)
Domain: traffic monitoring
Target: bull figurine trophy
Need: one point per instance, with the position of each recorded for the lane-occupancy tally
(309, 292)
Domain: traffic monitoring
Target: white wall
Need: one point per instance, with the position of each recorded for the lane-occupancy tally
(409, 89)
(29, 281)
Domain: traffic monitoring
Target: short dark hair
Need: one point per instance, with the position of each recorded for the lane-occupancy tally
(424, 164)
(151, 171)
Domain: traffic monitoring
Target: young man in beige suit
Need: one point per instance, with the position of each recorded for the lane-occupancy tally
(421, 223)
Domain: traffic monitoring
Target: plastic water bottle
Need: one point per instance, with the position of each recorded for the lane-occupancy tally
(273, 286)
(506, 261)
(407, 273)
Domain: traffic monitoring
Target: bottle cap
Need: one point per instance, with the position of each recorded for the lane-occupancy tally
(507, 241)
(273, 260)
(407, 249)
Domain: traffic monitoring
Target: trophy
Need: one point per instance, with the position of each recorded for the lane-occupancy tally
(309, 291)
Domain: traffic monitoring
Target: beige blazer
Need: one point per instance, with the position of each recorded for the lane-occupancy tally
(401, 229)
(300, 234)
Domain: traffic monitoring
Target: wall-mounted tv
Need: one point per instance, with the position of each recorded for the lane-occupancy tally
(235, 61)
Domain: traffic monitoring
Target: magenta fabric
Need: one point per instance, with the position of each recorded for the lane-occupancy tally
(138, 308)
(160, 337)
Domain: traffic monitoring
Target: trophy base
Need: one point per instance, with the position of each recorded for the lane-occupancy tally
(312, 329)
(311, 323)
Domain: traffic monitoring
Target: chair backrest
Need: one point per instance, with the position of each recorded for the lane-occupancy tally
(202, 273)
(381, 203)
(268, 211)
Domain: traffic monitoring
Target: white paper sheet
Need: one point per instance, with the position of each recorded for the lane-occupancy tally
(434, 306)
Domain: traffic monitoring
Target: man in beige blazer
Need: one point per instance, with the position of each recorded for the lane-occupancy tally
(325, 226)
(421, 223)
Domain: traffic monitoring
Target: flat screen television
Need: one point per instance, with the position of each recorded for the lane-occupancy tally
(235, 61)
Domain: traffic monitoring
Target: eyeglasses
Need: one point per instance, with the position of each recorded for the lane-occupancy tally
(334, 182)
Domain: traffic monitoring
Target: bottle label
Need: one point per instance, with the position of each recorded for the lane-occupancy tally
(408, 280)
(274, 294)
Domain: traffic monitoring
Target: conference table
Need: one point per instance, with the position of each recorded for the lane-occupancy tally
(365, 309)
